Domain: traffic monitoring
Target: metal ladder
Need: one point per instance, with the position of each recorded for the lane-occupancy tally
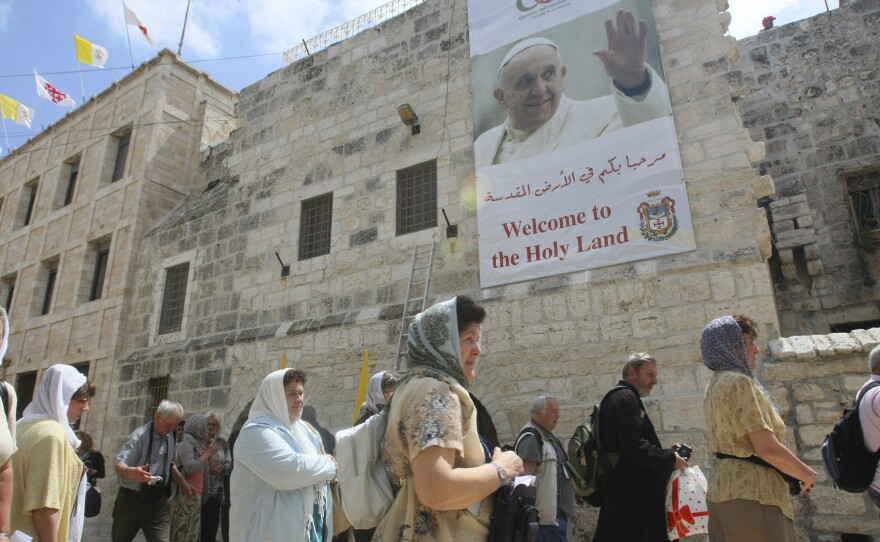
(420, 275)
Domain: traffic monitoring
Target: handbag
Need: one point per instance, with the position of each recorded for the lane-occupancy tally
(93, 502)
(515, 518)
(686, 508)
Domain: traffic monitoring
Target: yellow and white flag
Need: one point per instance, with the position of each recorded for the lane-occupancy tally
(90, 53)
(16, 112)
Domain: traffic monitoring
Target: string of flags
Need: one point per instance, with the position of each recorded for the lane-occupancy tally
(88, 53)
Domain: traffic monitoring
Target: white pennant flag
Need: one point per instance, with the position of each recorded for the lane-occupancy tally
(132, 19)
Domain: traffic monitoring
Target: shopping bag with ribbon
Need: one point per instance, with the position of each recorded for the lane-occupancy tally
(686, 509)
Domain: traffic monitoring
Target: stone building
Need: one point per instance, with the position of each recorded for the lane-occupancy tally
(810, 90)
(77, 201)
(312, 178)
(293, 237)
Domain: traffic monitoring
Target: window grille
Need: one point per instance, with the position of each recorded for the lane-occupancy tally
(171, 314)
(158, 393)
(863, 187)
(314, 226)
(417, 198)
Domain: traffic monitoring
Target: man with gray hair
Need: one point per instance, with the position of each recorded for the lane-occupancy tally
(145, 467)
(869, 417)
(638, 481)
(543, 456)
(541, 119)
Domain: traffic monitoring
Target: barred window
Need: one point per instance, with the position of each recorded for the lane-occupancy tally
(863, 187)
(417, 198)
(171, 315)
(158, 393)
(314, 226)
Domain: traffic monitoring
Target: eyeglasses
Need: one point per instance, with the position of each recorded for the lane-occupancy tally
(212, 424)
(83, 401)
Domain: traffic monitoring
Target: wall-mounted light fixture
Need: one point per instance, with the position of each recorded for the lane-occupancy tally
(285, 268)
(451, 229)
(409, 118)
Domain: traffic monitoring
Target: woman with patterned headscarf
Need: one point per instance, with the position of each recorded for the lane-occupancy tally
(48, 499)
(748, 499)
(193, 453)
(280, 484)
(443, 471)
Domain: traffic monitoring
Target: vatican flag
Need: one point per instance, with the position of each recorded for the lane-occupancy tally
(16, 112)
(90, 53)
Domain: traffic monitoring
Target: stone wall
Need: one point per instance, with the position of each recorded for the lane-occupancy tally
(811, 91)
(811, 379)
(328, 123)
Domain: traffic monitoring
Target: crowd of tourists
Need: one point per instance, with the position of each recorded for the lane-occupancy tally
(277, 478)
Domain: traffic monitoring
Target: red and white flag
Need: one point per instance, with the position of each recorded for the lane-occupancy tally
(51, 93)
(132, 19)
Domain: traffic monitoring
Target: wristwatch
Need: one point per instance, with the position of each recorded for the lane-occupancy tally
(502, 475)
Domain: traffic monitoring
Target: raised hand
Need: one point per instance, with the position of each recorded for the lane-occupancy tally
(624, 60)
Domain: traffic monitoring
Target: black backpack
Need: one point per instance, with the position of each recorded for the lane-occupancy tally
(588, 464)
(850, 465)
(515, 518)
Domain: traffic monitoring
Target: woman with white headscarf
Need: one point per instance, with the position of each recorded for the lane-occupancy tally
(442, 467)
(48, 501)
(280, 485)
(7, 438)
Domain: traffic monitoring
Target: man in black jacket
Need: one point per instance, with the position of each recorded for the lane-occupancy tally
(634, 494)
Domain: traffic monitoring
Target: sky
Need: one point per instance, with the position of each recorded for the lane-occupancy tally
(38, 34)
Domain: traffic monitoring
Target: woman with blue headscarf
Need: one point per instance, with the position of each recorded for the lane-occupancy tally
(748, 498)
(441, 467)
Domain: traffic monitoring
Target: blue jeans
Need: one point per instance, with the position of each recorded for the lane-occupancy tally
(553, 533)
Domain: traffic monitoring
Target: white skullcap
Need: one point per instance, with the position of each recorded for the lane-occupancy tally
(522, 46)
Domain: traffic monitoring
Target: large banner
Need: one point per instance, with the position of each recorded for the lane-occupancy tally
(577, 159)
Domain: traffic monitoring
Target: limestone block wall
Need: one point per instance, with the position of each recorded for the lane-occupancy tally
(809, 90)
(328, 124)
(811, 379)
(161, 103)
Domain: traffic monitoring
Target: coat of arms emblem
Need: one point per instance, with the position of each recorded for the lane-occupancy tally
(657, 217)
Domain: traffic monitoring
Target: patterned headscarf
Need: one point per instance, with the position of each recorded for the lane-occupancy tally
(724, 349)
(434, 343)
(375, 398)
(195, 431)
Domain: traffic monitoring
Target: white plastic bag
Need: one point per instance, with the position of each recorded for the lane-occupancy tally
(686, 509)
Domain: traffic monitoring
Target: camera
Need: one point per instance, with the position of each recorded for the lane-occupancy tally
(685, 451)
(154, 480)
